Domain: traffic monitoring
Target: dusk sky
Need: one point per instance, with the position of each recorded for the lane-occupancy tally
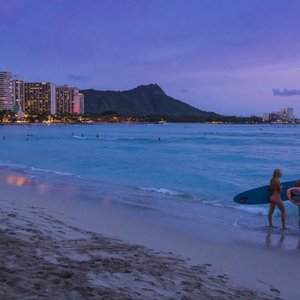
(222, 56)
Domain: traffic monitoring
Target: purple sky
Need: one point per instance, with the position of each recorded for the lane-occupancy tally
(217, 55)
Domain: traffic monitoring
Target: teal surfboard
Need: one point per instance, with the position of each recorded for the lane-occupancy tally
(261, 194)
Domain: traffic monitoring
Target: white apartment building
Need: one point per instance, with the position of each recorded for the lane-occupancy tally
(6, 91)
(290, 113)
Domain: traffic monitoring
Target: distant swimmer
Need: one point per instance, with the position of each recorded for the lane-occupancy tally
(159, 139)
(72, 133)
(3, 137)
(82, 135)
(97, 136)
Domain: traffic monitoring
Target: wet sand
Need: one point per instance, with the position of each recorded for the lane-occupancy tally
(52, 250)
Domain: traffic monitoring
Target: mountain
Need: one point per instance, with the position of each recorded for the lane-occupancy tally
(144, 100)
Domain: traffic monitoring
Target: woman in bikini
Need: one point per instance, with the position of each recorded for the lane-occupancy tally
(275, 198)
(289, 195)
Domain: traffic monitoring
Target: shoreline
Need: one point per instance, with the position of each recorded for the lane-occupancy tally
(220, 249)
(143, 123)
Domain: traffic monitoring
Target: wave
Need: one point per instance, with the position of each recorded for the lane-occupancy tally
(13, 166)
(253, 209)
(129, 139)
(52, 171)
(162, 191)
(78, 137)
(168, 139)
(19, 167)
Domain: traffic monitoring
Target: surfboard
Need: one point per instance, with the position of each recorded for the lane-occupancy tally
(260, 195)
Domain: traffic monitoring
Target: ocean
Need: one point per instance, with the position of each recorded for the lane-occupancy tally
(180, 170)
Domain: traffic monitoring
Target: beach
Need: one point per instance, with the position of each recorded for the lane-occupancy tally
(127, 216)
(54, 247)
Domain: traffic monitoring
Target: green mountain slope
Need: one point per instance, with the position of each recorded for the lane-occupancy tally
(144, 100)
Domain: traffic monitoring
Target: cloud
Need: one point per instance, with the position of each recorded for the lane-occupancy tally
(286, 92)
(77, 77)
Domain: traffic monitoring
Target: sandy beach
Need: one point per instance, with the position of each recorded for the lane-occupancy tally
(53, 247)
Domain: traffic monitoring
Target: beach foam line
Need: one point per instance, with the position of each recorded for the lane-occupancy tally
(253, 209)
(18, 167)
(130, 139)
(79, 137)
(162, 191)
(12, 165)
(52, 171)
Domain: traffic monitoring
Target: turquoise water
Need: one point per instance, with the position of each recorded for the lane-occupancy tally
(174, 168)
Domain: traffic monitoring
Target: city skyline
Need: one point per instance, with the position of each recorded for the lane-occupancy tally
(227, 57)
(34, 98)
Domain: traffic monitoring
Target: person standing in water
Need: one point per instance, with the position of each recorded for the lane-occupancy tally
(275, 198)
(289, 194)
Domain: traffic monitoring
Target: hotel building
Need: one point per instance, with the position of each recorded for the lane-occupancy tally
(6, 91)
(69, 100)
(19, 95)
(65, 100)
(78, 103)
(40, 98)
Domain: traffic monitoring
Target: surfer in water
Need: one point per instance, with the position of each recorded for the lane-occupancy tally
(275, 198)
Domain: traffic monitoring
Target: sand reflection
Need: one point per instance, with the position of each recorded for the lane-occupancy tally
(21, 180)
(18, 180)
(277, 241)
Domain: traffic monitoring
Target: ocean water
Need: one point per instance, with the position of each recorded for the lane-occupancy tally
(184, 170)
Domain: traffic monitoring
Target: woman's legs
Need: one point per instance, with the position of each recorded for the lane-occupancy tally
(271, 210)
(282, 210)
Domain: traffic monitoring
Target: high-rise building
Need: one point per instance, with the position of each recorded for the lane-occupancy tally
(290, 114)
(69, 100)
(6, 92)
(286, 114)
(19, 94)
(78, 103)
(265, 117)
(40, 98)
(65, 99)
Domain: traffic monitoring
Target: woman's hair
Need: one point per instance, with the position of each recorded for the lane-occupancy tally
(276, 174)
(297, 184)
(275, 182)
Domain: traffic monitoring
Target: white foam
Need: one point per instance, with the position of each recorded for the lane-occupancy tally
(51, 171)
(111, 139)
(253, 209)
(162, 191)
(78, 137)
(11, 165)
